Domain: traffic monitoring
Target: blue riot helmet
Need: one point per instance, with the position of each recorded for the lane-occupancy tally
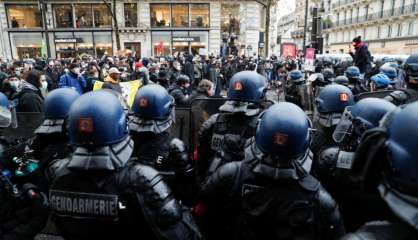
(5, 113)
(56, 107)
(153, 110)
(362, 116)
(97, 119)
(246, 91)
(328, 75)
(391, 64)
(342, 80)
(296, 76)
(387, 59)
(399, 188)
(411, 69)
(247, 86)
(379, 81)
(390, 72)
(283, 131)
(331, 102)
(353, 74)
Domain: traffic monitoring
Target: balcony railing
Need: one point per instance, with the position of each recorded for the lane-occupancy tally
(396, 12)
(342, 2)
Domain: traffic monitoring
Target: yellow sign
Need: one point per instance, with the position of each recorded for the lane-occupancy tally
(129, 89)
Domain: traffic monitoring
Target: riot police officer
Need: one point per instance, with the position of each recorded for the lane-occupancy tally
(295, 80)
(397, 157)
(5, 121)
(179, 90)
(391, 73)
(353, 75)
(379, 82)
(403, 96)
(342, 80)
(99, 192)
(51, 140)
(330, 103)
(334, 163)
(225, 133)
(269, 195)
(153, 115)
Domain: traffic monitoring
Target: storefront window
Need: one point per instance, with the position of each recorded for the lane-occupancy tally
(24, 16)
(199, 15)
(178, 45)
(180, 15)
(102, 16)
(83, 15)
(26, 45)
(160, 15)
(131, 14)
(200, 41)
(230, 19)
(63, 16)
(103, 43)
(161, 43)
(63, 45)
(84, 45)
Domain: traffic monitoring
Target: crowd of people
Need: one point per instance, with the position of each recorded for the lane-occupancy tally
(256, 168)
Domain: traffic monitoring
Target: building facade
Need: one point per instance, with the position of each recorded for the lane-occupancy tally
(388, 26)
(150, 28)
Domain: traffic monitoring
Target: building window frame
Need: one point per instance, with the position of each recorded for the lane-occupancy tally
(6, 8)
(137, 15)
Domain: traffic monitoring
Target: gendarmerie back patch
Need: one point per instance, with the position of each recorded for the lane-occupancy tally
(84, 205)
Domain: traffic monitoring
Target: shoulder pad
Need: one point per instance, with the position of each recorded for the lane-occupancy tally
(326, 202)
(356, 236)
(57, 168)
(177, 145)
(179, 155)
(155, 194)
(223, 179)
(328, 158)
(309, 183)
(397, 97)
(208, 124)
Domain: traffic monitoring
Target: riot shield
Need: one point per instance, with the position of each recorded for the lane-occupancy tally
(200, 111)
(306, 97)
(27, 123)
(377, 94)
(181, 127)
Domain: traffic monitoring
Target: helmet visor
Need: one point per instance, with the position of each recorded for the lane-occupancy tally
(5, 117)
(344, 126)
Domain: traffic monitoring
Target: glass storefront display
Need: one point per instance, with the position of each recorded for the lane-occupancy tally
(24, 16)
(64, 44)
(230, 18)
(161, 43)
(199, 15)
(180, 43)
(84, 45)
(172, 42)
(160, 15)
(102, 16)
(26, 45)
(83, 15)
(63, 16)
(71, 44)
(180, 15)
(131, 14)
(103, 43)
(200, 41)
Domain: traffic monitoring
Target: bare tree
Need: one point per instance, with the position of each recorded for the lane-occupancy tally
(268, 4)
(112, 11)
